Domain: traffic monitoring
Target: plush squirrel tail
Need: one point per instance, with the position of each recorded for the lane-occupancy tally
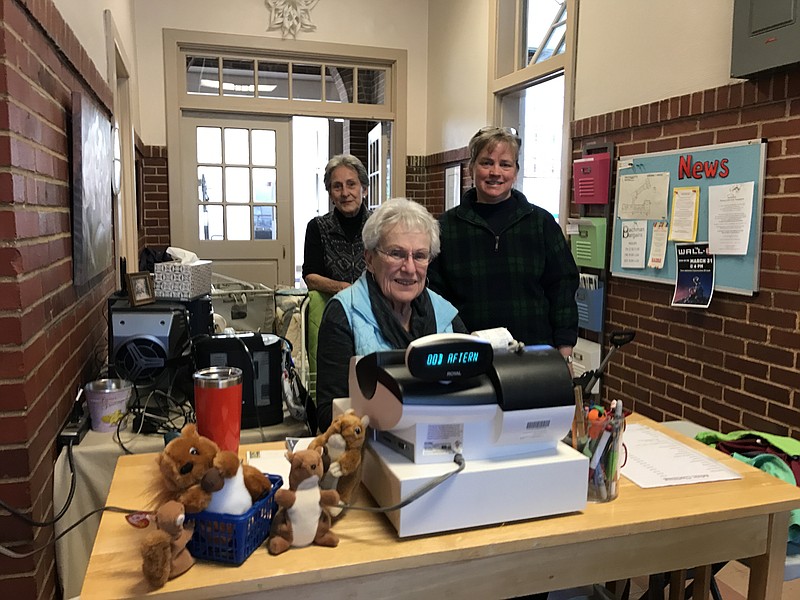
(156, 557)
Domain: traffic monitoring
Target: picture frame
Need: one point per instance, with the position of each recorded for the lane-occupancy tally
(140, 288)
(92, 219)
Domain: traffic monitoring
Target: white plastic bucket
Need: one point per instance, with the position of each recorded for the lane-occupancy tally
(108, 401)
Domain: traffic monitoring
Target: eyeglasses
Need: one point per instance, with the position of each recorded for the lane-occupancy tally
(398, 256)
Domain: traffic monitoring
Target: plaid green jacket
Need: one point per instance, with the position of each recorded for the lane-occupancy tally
(523, 278)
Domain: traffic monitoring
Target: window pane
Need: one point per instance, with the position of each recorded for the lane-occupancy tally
(264, 217)
(238, 222)
(202, 75)
(371, 86)
(543, 107)
(210, 219)
(238, 78)
(306, 82)
(209, 145)
(209, 184)
(264, 185)
(552, 44)
(237, 146)
(237, 185)
(263, 147)
(543, 15)
(339, 84)
(273, 80)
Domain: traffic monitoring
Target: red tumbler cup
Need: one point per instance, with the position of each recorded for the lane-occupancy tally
(218, 405)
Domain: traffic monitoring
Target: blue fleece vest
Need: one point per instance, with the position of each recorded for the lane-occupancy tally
(366, 331)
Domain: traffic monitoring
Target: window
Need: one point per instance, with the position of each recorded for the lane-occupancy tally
(232, 106)
(533, 80)
(236, 183)
(315, 82)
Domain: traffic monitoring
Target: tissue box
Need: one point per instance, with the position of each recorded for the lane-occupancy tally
(182, 282)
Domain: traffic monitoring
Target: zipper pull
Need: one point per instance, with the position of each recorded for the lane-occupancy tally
(496, 242)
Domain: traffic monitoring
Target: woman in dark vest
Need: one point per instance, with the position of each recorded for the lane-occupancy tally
(334, 250)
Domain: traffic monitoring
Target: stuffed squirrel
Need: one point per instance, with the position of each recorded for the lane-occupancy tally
(164, 550)
(343, 443)
(192, 467)
(302, 516)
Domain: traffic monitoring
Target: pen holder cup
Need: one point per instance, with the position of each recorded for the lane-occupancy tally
(603, 446)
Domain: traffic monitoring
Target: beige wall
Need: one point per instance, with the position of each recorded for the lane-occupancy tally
(632, 52)
(629, 52)
(457, 70)
(85, 18)
(384, 23)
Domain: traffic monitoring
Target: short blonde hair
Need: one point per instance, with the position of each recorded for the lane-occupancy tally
(489, 137)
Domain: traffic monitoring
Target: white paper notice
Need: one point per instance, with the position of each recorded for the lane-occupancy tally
(684, 214)
(730, 211)
(657, 460)
(634, 242)
(643, 196)
(658, 245)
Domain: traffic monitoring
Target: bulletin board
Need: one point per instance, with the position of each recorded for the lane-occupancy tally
(700, 167)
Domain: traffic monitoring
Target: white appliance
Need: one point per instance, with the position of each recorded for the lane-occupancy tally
(504, 413)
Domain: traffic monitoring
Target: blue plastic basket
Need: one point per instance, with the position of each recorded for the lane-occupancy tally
(232, 538)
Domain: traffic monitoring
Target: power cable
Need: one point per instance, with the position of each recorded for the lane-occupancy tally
(422, 490)
(73, 481)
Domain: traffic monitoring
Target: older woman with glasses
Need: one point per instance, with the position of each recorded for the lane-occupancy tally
(389, 305)
(505, 262)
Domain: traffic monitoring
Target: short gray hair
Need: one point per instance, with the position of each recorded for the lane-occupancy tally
(345, 160)
(400, 211)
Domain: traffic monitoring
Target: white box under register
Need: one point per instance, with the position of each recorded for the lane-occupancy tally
(486, 492)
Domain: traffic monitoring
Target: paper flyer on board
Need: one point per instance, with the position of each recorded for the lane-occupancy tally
(643, 196)
(730, 212)
(694, 280)
(683, 224)
(634, 242)
(658, 245)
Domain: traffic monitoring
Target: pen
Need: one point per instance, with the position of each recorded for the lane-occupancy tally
(599, 449)
(600, 484)
(613, 458)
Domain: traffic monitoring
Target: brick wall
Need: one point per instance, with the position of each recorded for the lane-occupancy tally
(155, 197)
(51, 333)
(734, 365)
(425, 177)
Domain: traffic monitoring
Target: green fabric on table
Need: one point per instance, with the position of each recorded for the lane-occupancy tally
(785, 444)
(777, 467)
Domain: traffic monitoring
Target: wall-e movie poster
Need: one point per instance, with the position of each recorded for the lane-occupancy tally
(694, 282)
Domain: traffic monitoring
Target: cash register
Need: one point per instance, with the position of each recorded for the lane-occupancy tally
(503, 413)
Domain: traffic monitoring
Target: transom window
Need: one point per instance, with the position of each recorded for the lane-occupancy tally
(284, 80)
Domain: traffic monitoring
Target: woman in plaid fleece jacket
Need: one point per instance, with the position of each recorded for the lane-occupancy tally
(505, 262)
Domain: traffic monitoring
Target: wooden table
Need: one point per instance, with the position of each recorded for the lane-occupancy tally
(643, 531)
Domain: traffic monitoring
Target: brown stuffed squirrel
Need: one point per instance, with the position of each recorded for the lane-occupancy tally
(302, 516)
(192, 467)
(164, 550)
(343, 442)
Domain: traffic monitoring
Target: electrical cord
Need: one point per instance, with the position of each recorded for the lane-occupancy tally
(11, 554)
(72, 484)
(418, 493)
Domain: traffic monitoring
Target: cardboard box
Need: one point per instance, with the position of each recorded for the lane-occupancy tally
(182, 282)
